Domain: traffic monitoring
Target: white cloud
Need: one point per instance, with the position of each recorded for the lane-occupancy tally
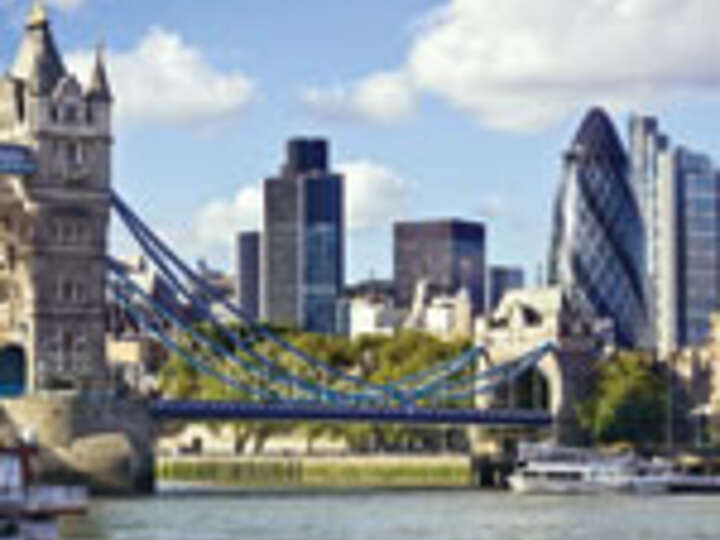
(382, 98)
(67, 5)
(164, 79)
(491, 207)
(376, 195)
(217, 221)
(522, 65)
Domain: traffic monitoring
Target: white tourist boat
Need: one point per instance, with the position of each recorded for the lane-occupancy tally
(546, 469)
(29, 511)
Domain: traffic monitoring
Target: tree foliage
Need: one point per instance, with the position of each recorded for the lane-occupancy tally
(379, 359)
(629, 402)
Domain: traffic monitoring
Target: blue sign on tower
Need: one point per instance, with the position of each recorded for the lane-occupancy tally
(16, 159)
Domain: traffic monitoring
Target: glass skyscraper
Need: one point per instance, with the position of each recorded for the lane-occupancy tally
(448, 255)
(678, 193)
(502, 279)
(247, 271)
(303, 271)
(597, 247)
(648, 149)
(697, 243)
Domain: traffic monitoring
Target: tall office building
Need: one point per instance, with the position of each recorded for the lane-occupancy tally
(303, 246)
(677, 192)
(502, 279)
(688, 227)
(247, 272)
(649, 148)
(597, 248)
(447, 254)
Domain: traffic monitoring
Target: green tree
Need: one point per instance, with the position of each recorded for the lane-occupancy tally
(629, 401)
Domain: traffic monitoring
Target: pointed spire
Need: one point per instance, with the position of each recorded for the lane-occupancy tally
(38, 61)
(38, 14)
(99, 88)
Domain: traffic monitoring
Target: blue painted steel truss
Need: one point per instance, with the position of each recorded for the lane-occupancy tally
(223, 410)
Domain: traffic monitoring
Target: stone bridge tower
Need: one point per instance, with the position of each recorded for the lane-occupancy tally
(524, 320)
(54, 220)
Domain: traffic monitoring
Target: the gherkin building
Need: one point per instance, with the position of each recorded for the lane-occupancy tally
(596, 253)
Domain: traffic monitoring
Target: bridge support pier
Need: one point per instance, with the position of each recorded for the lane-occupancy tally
(99, 440)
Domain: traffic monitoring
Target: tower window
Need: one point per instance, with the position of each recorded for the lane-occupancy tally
(53, 113)
(67, 290)
(11, 257)
(67, 232)
(71, 114)
(80, 293)
(74, 153)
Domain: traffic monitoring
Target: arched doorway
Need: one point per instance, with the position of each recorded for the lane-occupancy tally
(12, 371)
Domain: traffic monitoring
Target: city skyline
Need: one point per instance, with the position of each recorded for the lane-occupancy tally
(440, 161)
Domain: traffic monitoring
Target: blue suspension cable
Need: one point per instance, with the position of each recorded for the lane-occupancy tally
(140, 231)
(217, 349)
(138, 228)
(142, 321)
(530, 360)
(227, 333)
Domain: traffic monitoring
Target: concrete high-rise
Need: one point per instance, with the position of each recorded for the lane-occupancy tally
(649, 147)
(502, 279)
(247, 272)
(447, 254)
(303, 242)
(597, 250)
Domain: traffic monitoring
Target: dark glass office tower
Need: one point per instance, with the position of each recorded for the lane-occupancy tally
(696, 247)
(303, 271)
(502, 279)
(448, 254)
(247, 270)
(597, 248)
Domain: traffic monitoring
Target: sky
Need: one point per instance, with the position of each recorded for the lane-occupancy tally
(442, 108)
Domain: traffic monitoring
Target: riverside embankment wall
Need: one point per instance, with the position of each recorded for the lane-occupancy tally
(313, 472)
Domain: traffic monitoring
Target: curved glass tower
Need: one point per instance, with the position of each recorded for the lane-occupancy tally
(597, 248)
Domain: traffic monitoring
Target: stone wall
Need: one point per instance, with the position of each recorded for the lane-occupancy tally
(96, 439)
(310, 472)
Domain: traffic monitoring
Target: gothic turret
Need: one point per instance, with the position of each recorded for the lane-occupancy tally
(99, 88)
(38, 62)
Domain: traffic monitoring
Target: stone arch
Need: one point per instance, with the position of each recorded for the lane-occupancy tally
(532, 390)
(550, 367)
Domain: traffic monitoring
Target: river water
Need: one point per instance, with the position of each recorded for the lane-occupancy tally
(442, 515)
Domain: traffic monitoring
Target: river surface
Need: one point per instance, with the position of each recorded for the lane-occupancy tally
(438, 515)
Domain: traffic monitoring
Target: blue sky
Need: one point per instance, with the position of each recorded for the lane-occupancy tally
(433, 108)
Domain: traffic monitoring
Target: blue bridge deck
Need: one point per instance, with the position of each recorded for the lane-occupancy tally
(214, 410)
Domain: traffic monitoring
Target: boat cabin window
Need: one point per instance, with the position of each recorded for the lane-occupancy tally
(565, 475)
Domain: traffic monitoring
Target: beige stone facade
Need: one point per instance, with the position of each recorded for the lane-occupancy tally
(53, 223)
(527, 319)
(696, 397)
